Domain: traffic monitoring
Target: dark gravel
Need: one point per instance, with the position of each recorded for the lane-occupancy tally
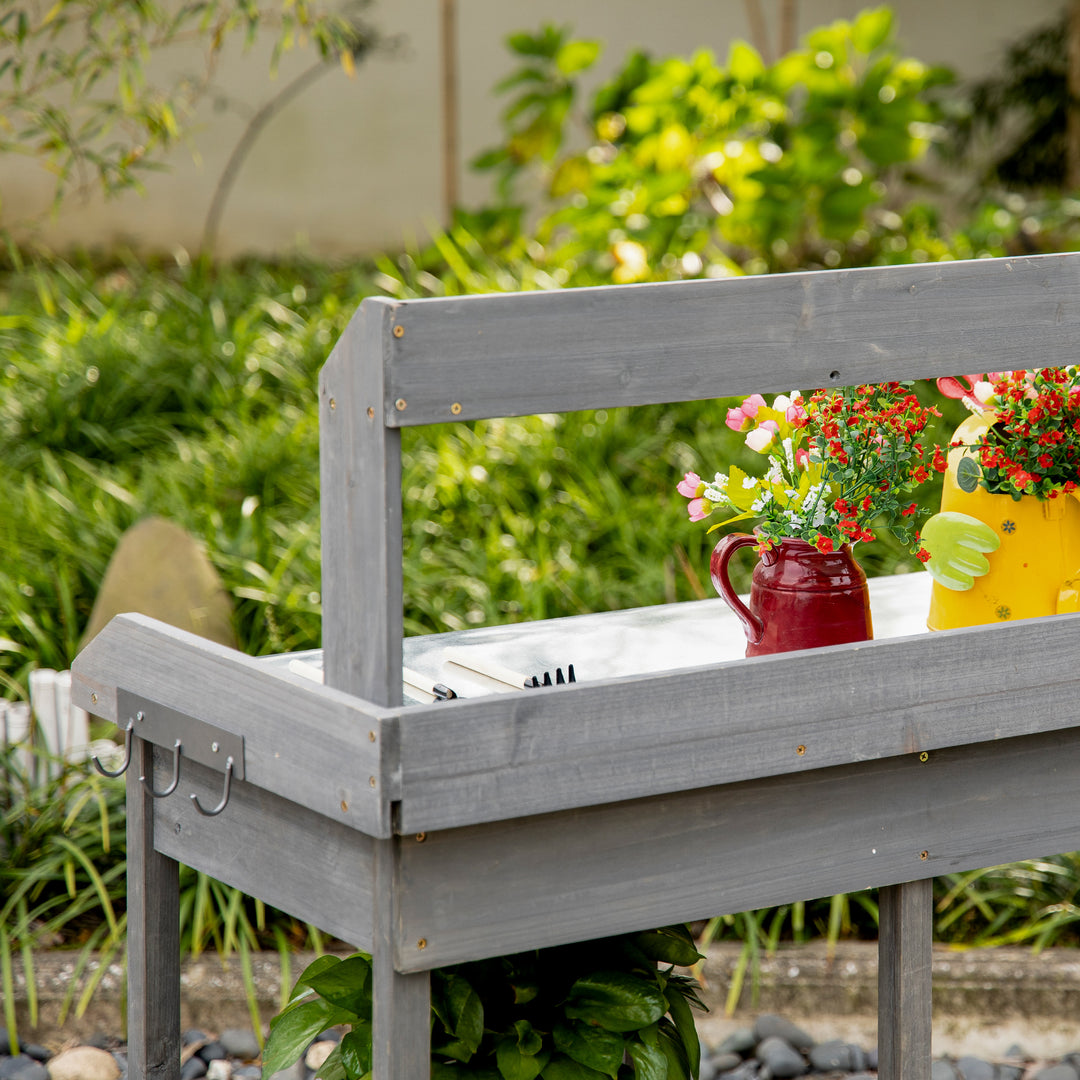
(773, 1049)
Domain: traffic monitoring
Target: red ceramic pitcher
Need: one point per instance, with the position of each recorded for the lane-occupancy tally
(800, 598)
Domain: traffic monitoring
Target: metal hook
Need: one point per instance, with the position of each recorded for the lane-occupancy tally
(127, 754)
(224, 798)
(175, 776)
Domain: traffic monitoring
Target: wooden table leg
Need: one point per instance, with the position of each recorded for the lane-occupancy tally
(153, 935)
(401, 1005)
(905, 937)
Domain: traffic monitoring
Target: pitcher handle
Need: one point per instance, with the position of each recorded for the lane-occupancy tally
(753, 627)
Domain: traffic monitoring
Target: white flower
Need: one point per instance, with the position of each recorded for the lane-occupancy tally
(759, 439)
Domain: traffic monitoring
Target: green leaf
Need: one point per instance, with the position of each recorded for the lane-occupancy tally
(615, 1001)
(968, 474)
(744, 63)
(594, 1047)
(514, 1063)
(669, 945)
(460, 1009)
(679, 1009)
(529, 1040)
(650, 1062)
(334, 1068)
(871, 29)
(678, 1068)
(295, 1028)
(319, 964)
(347, 985)
(356, 1051)
(561, 1067)
(576, 56)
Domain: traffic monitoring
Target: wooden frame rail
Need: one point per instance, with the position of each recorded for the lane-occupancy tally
(446, 830)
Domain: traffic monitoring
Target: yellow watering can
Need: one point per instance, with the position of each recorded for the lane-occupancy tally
(994, 558)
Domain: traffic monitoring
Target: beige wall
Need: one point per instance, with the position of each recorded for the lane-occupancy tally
(354, 165)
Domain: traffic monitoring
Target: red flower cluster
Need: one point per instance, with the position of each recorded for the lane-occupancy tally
(871, 438)
(1034, 448)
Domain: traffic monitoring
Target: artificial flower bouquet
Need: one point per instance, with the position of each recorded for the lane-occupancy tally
(1030, 444)
(839, 464)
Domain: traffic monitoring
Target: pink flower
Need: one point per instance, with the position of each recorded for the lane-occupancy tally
(690, 485)
(802, 457)
(697, 509)
(736, 419)
(751, 405)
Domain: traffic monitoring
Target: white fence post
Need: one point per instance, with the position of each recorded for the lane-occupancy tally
(63, 730)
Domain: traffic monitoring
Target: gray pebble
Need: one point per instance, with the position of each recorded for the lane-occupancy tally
(1009, 1072)
(740, 1042)
(724, 1062)
(99, 1041)
(248, 1072)
(212, 1051)
(837, 1055)
(240, 1043)
(780, 1058)
(942, 1070)
(1061, 1071)
(973, 1068)
(1018, 1052)
(193, 1068)
(748, 1070)
(193, 1035)
(769, 1026)
(38, 1053)
(21, 1067)
(871, 1059)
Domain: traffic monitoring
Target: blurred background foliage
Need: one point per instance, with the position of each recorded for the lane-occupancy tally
(188, 390)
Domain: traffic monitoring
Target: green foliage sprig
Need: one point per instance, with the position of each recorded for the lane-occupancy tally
(575, 1012)
(76, 94)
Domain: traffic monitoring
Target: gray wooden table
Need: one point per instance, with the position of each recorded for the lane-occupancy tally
(432, 833)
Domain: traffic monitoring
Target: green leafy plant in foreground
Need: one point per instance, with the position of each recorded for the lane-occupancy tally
(574, 1012)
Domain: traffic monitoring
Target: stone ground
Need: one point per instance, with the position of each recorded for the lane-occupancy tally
(987, 1003)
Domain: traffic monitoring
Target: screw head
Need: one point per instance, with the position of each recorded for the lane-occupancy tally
(400, 404)
(924, 756)
(344, 807)
(333, 404)
(924, 855)
(421, 837)
(800, 750)
(371, 781)
(422, 943)
(215, 747)
(398, 331)
(456, 408)
(93, 699)
(371, 736)
(371, 412)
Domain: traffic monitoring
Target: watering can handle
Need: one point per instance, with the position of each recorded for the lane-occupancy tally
(718, 564)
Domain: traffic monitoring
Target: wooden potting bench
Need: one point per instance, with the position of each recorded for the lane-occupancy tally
(435, 833)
